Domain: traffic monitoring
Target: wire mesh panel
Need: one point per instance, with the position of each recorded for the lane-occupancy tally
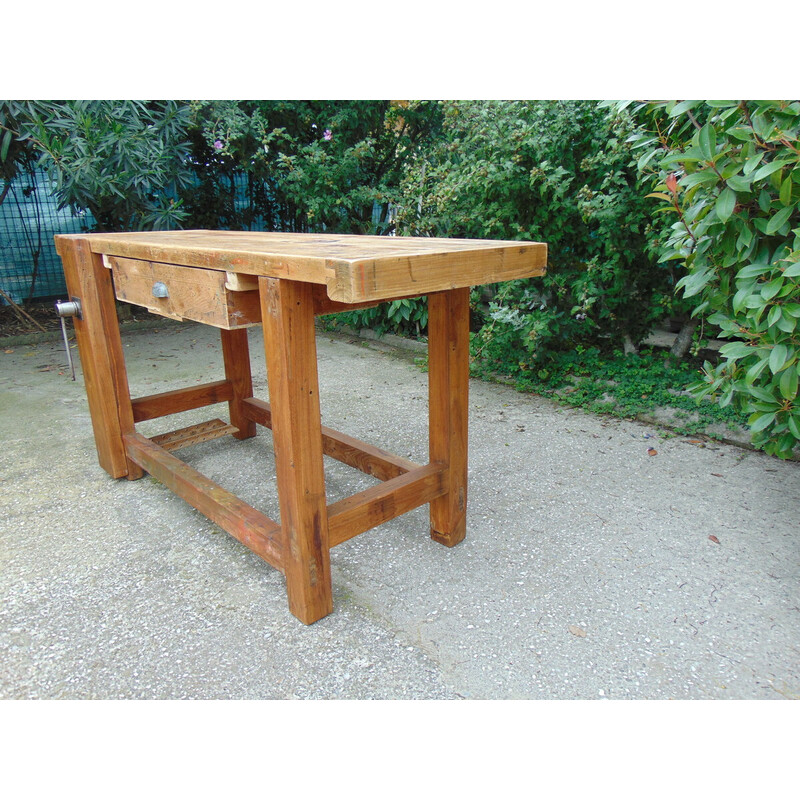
(29, 218)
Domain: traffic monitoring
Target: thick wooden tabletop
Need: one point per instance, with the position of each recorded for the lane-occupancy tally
(354, 268)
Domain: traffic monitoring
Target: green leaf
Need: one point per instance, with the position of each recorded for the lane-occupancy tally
(778, 358)
(742, 134)
(755, 371)
(707, 140)
(696, 178)
(725, 204)
(645, 158)
(694, 282)
(722, 320)
(734, 350)
(787, 323)
(767, 170)
(689, 156)
(5, 145)
(777, 220)
(752, 163)
(769, 290)
(788, 384)
(684, 105)
(754, 301)
(701, 309)
(759, 421)
(764, 395)
(775, 315)
(792, 271)
(738, 302)
(752, 270)
(794, 426)
(739, 184)
(786, 191)
(728, 168)
(745, 237)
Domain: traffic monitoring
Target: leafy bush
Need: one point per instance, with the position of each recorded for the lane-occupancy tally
(122, 160)
(15, 155)
(309, 165)
(558, 172)
(407, 317)
(729, 173)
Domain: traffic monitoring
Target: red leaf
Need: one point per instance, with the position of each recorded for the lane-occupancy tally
(672, 183)
(651, 451)
(714, 539)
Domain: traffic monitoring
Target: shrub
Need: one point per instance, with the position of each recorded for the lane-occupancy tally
(310, 166)
(558, 172)
(728, 173)
(122, 160)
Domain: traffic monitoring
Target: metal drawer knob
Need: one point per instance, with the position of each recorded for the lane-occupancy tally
(160, 289)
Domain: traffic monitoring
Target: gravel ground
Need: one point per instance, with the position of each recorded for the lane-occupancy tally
(588, 572)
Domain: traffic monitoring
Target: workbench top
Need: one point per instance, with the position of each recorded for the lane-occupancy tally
(354, 268)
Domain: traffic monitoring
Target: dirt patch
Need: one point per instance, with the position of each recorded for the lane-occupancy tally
(14, 323)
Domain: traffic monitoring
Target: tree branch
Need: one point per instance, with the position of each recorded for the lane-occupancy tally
(20, 312)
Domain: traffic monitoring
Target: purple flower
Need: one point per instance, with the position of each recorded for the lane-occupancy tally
(327, 135)
(218, 145)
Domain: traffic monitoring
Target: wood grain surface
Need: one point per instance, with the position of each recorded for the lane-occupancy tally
(354, 269)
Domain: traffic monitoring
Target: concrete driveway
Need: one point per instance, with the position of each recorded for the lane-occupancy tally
(588, 571)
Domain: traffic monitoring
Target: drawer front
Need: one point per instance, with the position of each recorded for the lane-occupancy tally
(209, 296)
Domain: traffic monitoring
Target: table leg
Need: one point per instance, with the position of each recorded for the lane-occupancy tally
(236, 357)
(102, 359)
(287, 314)
(448, 388)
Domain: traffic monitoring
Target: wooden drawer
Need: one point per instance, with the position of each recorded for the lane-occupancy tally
(223, 299)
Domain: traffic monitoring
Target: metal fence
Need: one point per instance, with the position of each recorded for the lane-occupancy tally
(29, 218)
(31, 269)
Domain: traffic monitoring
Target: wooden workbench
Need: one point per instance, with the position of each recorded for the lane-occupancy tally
(233, 280)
